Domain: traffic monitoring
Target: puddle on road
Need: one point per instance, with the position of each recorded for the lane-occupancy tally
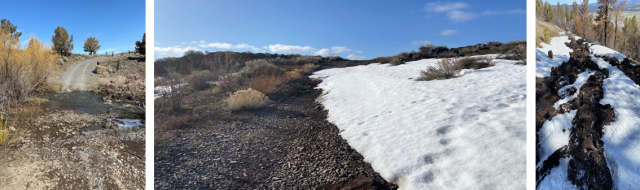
(90, 103)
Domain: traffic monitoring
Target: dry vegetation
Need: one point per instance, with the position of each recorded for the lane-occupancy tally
(121, 78)
(24, 71)
(449, 68)
(554, 31)
(246, 100)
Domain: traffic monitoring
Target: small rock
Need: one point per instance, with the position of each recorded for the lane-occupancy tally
(550, 54)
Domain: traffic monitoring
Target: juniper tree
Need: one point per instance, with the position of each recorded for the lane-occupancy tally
(140, 46)
(62, 42)
(91, 45)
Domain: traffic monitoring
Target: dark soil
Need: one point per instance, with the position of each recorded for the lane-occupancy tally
(287, 145)
(587, 167)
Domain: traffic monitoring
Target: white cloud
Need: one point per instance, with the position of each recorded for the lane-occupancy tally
(333, 51)
(514, 11)
(449, 32)
(229, 46)
(99, 34)
(324, 52)
(439, 7)
(217, 45)
(338, 49)
(355, 57)
(183, 43)
(290, 49)
(461, 16)
(359, 51)
(452, 9)
(156, 42)
(421, 42)
(198, 42)
(173, 50)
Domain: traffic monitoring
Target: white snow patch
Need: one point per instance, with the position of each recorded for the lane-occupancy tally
(605, 51)
(560, 54)
(622, 137)
(582, 78)
(461, 133)
(128, 123)
(558, 177)
(161, 90)
(552, 137)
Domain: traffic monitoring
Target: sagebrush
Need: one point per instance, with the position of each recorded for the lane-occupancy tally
(246, 100)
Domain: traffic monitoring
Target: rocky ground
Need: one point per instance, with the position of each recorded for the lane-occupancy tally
(288, 144)
(587, 153)
(75, 150)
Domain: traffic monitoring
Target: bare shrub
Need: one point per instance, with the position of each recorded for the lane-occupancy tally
(197, 80)
(172, 93)
(246, 100)
(395, 61)
(443, 69)
(258, 67)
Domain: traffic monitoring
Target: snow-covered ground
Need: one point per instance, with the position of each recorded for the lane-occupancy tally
(128, 123)
(461, 133)
(158, 91)
(560, 54)
(621, 138)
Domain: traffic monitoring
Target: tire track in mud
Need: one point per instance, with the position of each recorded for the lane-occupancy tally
(587, 164)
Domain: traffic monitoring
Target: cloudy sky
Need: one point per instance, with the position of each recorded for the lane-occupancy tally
(117, 24)
(356, 29)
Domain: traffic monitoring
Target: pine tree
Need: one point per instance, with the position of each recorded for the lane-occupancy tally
(575, 11)
(604, 10)
(6, 26)
(91, 45)
(548, 12)
(560, 10)
(62, 43)
(539, 8)
(617, 15)
(567, 13)
(584, 17)
(140, 46)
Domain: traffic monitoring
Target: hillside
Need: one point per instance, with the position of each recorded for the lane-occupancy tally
(587, 103)
(554, 31)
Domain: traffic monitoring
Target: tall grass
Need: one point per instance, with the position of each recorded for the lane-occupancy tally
(9, 134)
(24, 71)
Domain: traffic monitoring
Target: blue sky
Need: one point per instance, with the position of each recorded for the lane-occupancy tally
(117, 24)
(357, 29)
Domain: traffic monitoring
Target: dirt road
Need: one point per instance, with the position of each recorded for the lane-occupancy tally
(76, 76)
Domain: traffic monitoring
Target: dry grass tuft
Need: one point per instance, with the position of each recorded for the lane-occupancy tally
(101, 70)
(296, 73)
(308, 68)
(443, 69)
(246, 100)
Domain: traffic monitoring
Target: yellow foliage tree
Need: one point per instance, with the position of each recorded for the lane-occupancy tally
(24, 71)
